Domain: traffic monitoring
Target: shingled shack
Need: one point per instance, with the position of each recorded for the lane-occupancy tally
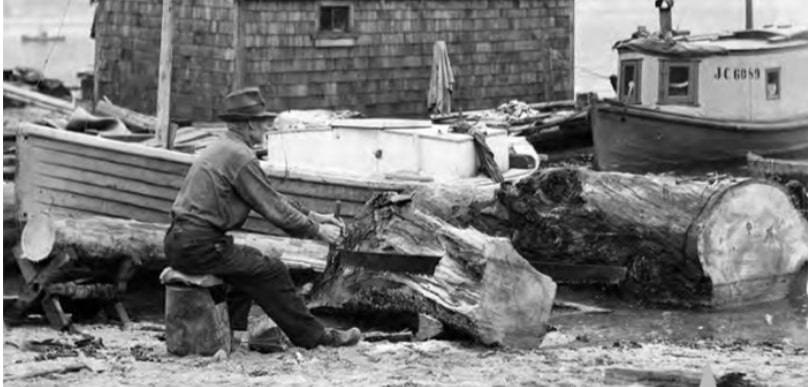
(372, 56)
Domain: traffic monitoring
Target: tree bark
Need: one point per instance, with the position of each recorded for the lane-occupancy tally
(465, 206)
(11, 229)
(711, 242)
(102, 241)
(481, 286)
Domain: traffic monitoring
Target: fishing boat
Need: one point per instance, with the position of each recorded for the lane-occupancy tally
(42, 37)
(74, 174)
(700, 103)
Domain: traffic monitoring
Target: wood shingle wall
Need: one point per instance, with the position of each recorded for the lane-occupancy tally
(499, 49)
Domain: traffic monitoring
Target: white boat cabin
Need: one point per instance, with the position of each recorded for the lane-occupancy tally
(750, 75)
(382, 148)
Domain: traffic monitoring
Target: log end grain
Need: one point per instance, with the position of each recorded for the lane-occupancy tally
(751, 241)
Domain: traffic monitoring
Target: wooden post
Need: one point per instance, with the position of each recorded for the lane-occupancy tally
(164, 79)
(749, 19)
(239, 65)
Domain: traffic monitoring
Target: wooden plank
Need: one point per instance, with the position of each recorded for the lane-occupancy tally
(627, 376)
(240, 65)
(71, 203)
(141, 152)
(113, 156)
(100, 194)
(54, 104)
(581, 274)
(164, 79)
(43, 158)
(72, 175)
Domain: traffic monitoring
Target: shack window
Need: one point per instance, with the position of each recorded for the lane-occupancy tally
(773, 83)
(678, 82)
(335, 18)
(630, 71)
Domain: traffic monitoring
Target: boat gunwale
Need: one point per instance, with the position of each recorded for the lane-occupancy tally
(796, 123)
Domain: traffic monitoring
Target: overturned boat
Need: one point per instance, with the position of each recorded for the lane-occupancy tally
(701, 103)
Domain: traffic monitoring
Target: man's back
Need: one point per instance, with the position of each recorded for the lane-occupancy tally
(207, 192)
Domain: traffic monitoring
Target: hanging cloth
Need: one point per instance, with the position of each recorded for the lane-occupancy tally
(441, 81)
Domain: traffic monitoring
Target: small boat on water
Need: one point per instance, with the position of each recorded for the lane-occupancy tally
(42, 37)
(700, 103)
(73, 174)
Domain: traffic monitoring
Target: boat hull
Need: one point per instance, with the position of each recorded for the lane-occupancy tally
(71, 174)
(639, 140)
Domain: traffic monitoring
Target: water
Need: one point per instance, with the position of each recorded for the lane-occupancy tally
(61, 60)
(598, 24)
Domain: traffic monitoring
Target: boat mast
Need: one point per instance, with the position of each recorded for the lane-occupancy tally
(749, 20)
(665, 19)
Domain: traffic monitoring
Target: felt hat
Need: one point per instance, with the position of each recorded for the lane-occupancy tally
(244, 105)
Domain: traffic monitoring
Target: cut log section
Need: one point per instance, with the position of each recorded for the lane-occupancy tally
(99, 239)
(718, 242)
(481, 287)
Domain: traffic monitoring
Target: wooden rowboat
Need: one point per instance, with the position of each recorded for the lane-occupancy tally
(65, 173)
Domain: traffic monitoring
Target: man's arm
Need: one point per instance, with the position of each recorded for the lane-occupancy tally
(254, 187)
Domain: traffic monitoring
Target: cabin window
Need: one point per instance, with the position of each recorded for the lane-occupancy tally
(773, 83)
(678, 82)
(629, 89)
(335, 18)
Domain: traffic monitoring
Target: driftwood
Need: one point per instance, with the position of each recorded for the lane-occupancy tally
(42, 368)
(99, 239)
(136, 122)
(21, 94)
(686, 242)
(481, 286)
(673, 378)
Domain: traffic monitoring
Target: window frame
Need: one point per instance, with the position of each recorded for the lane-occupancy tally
(637, 62)
(692, 97)
(334, 4)
(779, 72)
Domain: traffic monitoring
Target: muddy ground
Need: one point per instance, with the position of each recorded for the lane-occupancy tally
(768, 343)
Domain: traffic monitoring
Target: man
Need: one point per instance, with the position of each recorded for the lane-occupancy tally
(224, 183)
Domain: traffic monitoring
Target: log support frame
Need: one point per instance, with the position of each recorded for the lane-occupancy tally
(41, 286)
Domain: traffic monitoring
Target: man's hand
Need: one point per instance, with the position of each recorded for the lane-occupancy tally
(329, 233)
(326, 219)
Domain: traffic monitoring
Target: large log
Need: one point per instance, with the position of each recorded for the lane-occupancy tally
(11, 230)
(136, 122)
(717, 242)
(481, 286)
(103, 241)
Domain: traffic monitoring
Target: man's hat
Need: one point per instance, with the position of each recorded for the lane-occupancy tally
(245, 104)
